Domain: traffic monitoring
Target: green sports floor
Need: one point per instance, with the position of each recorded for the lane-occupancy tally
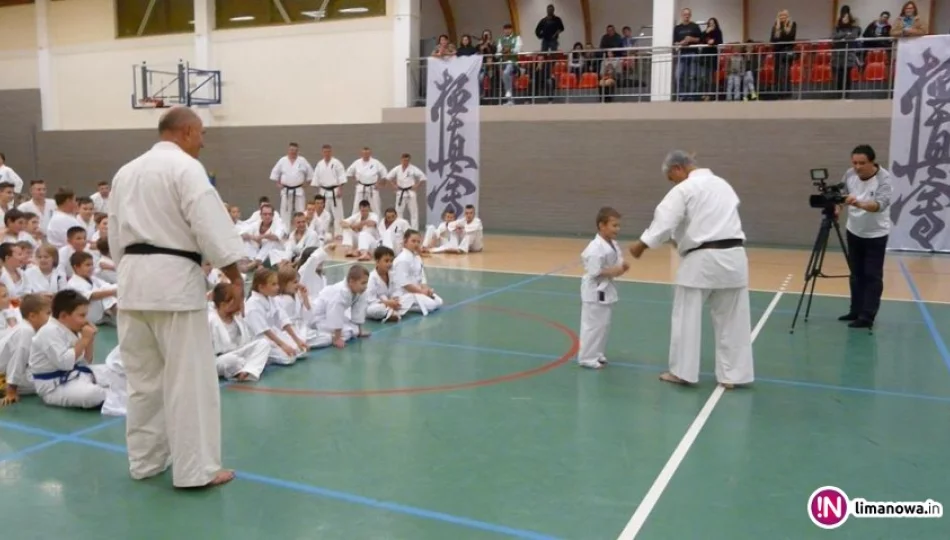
(474, 423)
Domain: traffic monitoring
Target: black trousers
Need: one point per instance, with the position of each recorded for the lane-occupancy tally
(867, 274)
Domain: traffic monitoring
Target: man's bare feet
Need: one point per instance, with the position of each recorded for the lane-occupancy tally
(670, 378)
(222, 477)
(242, 376)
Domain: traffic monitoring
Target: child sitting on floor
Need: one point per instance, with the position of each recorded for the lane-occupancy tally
(330, 310)
(61, 353)
(101, 295)
(264, 319)
(293, 301)
(240, 356)
(382, 299)
(409, 277)
(15, 347)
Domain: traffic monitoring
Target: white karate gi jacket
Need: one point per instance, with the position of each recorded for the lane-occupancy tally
(599, 255)
(700, 209)
(329, 311)
(163, 198)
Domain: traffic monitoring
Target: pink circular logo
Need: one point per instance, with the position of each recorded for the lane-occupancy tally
(828, 507)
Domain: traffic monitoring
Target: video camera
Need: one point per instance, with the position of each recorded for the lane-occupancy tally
(828, 196)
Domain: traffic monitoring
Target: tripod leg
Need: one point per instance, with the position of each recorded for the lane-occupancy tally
(844, 246)
(814, 268)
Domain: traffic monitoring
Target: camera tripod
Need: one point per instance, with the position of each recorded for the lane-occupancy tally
(817, 259)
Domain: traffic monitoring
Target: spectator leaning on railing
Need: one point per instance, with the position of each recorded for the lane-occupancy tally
(879, 28)
(909, 24)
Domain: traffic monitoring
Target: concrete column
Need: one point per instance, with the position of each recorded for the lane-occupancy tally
(48, 98)
(406, 32)
(661, 71)
(204, 24)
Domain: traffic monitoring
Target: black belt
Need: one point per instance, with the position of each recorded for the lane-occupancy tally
(332, 191)
(718, 244)
(148, 249)
(402, 192)
(293, 196)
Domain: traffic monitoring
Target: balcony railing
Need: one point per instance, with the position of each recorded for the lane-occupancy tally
(851, 69)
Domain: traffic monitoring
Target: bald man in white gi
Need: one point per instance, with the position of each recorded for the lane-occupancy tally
(290, 173)
(701, 216)
(164, 218)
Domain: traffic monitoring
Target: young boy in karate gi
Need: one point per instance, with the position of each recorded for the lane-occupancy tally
(603, 261)
(101, 295)
(61, 354)
(264, 319)
(45, 277)
(11, 275)
(240, 356)
(409, 277)
(105, 266)
(15, 347)
(382, 299)
(361, 233)
(329, 312)
(75, 243)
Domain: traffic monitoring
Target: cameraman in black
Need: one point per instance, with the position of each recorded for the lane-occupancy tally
(869, 189)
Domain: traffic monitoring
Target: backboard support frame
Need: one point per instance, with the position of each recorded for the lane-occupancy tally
(180, 85)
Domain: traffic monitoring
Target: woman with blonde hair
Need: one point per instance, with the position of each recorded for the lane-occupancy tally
(908, 23)
(782, 38)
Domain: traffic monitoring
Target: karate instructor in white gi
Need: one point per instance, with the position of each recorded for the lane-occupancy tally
(701, 216)
(165, 217)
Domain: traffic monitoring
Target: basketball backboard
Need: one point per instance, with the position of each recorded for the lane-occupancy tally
(161, 86)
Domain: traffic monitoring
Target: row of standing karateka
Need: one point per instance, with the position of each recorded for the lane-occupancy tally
(293, 172)
(282, 320)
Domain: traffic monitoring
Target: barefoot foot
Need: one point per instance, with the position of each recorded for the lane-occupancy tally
(670, 378)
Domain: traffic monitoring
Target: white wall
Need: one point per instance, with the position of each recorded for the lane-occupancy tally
(473, 16)
(18, 65)
(324, 73)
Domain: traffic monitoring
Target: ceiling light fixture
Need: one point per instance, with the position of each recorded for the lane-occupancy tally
(242, 18)
(354, 10)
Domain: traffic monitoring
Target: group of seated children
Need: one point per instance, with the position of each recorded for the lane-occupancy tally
(291, 309)
(52, 356)
(269, 239)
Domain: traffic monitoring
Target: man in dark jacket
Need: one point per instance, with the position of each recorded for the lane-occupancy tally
(548, 30)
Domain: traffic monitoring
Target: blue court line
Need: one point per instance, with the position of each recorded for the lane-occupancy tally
(13, 456)
(925, 313)
(657, 368)
(305, 488)
(629, 300)
(416, 319)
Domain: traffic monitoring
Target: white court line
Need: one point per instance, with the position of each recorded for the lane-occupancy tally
(679, 453)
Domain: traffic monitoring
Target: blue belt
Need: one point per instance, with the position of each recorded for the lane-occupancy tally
(61, 376)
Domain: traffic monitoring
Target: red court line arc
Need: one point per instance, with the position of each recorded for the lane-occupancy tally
(563, 359)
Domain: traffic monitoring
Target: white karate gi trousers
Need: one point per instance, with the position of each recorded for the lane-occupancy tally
(82, 391)
(174, 407)
(406, 199)
(471, 242)
(335, 208)
(729, 309)
(250, 358)
(292, 200)
(277, 355)
(379, 312)
(420, 303)
(363, 241)
(595, 327)
(367, 193)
